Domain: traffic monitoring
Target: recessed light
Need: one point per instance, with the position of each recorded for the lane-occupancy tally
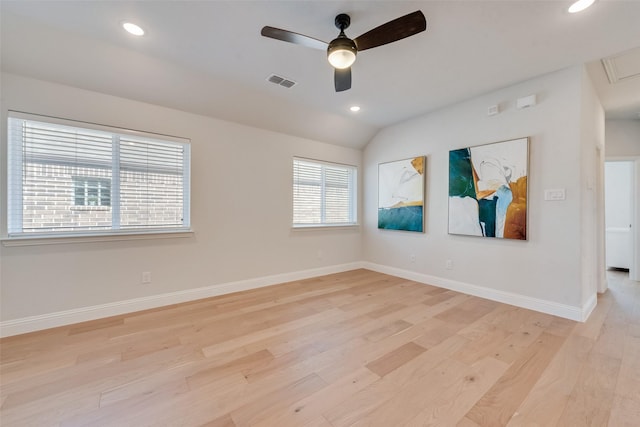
(355, 109)
(133, 28)
(580, 5)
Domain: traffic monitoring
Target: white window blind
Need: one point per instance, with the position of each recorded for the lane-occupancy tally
(323, 193)
(68, 177)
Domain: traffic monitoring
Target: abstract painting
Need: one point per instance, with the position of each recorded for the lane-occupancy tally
(488, 190)
(401, 194)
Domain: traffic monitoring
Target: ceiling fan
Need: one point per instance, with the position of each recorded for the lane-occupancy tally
(342, 51)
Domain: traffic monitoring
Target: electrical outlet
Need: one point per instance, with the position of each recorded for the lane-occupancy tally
(146, 277)
(412, 257)
(449, 264)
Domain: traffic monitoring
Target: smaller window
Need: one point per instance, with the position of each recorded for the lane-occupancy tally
(92, 191)
(324, 194)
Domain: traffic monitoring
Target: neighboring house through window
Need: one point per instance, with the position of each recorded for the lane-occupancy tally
(92, 191)
(324, 194)
(68, 177)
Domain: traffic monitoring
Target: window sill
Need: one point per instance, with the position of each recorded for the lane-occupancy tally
(324, 227)
(37, 240)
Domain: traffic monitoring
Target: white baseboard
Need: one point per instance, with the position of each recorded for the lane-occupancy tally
(68, 317)
(589, 306)
(579, 314)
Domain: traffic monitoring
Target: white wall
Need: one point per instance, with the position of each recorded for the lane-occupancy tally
(544, 269)
(241, 212)
(623, 138)
(592, 145)
(241, 209)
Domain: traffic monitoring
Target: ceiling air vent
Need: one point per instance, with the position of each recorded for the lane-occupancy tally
(281, 81)
(623, 66)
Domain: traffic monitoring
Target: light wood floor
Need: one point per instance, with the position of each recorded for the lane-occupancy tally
(351, 349)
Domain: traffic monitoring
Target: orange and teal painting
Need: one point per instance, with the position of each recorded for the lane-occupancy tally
(401, 195)
(488, 190)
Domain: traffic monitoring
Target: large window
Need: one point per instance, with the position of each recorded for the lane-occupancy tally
(68, 177)
(324, 194)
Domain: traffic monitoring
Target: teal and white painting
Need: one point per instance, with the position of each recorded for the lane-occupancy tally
(488, 190)
(401, 195)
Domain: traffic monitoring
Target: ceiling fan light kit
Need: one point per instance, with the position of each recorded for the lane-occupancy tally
(342, 53)
(342, 50)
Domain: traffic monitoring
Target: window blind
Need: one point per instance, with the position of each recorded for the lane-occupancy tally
(70, 177)
(323, 193)
(151, 183)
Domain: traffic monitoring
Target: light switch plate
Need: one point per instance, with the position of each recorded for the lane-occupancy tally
(554, 194)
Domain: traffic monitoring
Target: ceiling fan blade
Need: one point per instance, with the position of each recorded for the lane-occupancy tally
(291, 37)
(392, 31)
(342, 79)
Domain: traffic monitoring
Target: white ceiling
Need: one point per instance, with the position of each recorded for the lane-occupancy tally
(619, 92)
(207, 57)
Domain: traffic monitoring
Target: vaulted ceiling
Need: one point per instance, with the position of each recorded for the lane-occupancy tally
(207, 57)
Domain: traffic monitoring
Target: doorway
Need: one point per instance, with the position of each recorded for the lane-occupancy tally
(620, 216)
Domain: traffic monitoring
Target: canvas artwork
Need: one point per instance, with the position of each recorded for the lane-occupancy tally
(401, 194)
(488, 190)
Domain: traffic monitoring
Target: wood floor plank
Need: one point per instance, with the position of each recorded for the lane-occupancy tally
(224, 421)
(499, 404)
(100, 378)
(368, 399)
(456, 398)
(483, 346)
(432, 311)
(436, 331)
(169, 406)
(358, 405)
(440, 297)
(142, 387)
(625, 412)
(281, 362)
(277, 337)
(318, 422)
(244, 365)
(466, 422)
(51, 412)
(511, 348)
(425, 361)
(253, 412)
(357, 348)
(388, 330)
(591, 400)
(561, 327)
(409, 401)
(361, 355)
(394, 359)
(548, 398)
(592, 328)
(468, 311)
(386, 309)
(628, 384)
(310, 408)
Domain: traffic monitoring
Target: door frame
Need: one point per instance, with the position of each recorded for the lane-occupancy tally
(634, 268)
